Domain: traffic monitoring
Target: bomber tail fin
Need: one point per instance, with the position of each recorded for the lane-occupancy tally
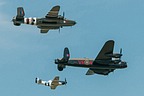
(66, 55)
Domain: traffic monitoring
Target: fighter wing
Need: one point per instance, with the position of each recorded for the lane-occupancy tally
(53, 87)
(90, 72)
(107, 49)
(55, 82)
(53, 12)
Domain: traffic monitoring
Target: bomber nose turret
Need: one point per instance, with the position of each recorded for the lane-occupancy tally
(74, 22)
(69, 22)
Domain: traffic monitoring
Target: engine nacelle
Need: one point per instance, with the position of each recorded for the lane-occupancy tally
(61, 17)
(115, 55)
(116, 61)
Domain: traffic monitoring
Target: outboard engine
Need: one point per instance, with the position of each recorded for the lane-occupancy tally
(115, 55)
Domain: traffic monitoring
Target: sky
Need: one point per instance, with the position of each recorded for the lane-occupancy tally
(25, 53)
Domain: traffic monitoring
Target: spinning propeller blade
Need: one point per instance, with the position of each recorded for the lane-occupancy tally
(65, 81)
(63, 14)
(120, 53)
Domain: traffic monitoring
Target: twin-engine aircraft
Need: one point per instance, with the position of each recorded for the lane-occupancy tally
(103, 64)
(52, 83)
(51, 21)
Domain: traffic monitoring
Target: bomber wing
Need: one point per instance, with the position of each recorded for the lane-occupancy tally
(92, 71)
(55, 82)
(53, 12)
(102, 58)
(107, 49)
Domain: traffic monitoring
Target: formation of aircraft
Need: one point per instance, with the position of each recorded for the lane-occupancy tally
(103, 64)
(51, 21)
(51, 83)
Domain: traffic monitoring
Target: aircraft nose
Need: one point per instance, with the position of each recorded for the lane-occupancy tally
(74, 22)
(70, 22)
(124, 64)
(64, 83)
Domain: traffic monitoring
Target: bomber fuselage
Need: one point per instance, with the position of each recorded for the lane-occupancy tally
(50, 23)
(90, 63)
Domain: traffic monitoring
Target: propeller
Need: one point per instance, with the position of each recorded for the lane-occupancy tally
(59, 30)
(65, 81)
(120, 53)
(63, 15)
(36, 80)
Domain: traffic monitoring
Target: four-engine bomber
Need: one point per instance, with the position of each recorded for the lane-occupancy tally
(103, 64)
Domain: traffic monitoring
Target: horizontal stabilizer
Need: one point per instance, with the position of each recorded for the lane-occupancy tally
(90, 72)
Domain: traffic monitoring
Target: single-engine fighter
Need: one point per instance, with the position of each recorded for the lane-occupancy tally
(52, 83)
(103, 64)
(51, 21)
